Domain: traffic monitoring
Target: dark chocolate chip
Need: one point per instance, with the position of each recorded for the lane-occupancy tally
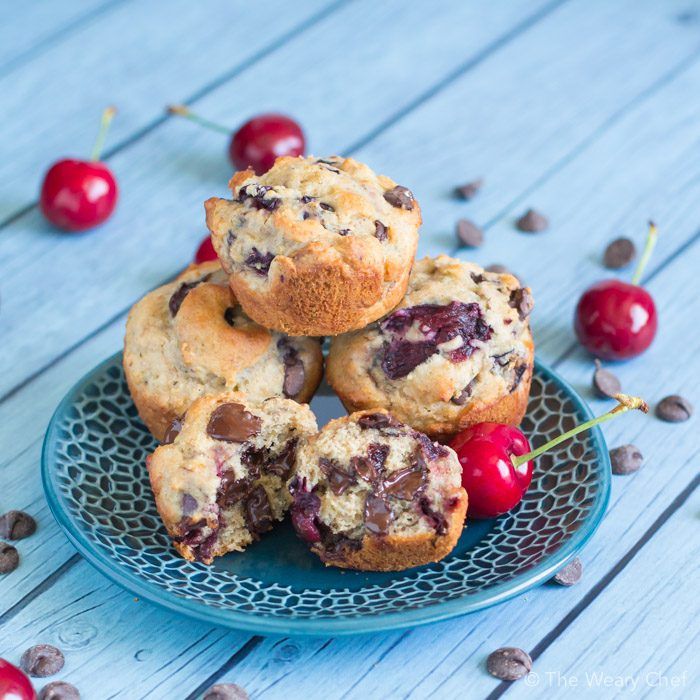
(532, 222)
(173, 431)
(9, 558)
(179, 296)
(259, 262)
(509, 663)
(522, 300)
(258, 512)
(255, 196)
(605, 383)
(294, 375)
(232, 490)
(16, 525)
(518, 373)
(436, 519)
(464, 395)
(674, 409)
(344, 232)
(502, 360)
(378, 514)
(400, 197)
(189, 504)
(364, 468)
(338, 479)
(225, 691)
(470, 190)
(230, 316)
(42, 660)
(625, 459)
(404, 483)
(469, 234)
(380, 231)
(376, 420)
(59, 690)
(570, 574)
(619, 254)
(232, 423)
(326, 207)
(230, 238)
(306, 199)
(282, 464)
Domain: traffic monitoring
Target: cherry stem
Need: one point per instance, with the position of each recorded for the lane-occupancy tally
(183, 111)
(106, 120)
(646, 254)
(624, 403)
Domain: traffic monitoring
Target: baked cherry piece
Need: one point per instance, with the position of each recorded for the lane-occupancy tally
(617, 320)
(497, 461)
(259, 141)
(80, 194)
(205, 252)
(14, 684)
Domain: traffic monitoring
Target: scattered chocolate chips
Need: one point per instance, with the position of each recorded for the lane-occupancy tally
(625, 459)
(509, 663)
(42, 660)
(378, 514)
(469, 234)
(230, 422)
(532, 222)
(522, 301)
(258, 513)
(400, 197)
(470, 190)
(230, 316)
(16, 525)
(674, 409)
(173, 431)
(380, 231)
(259, 262)
(9, 558)
(570, 574)
(619, 254)
(59, 690)
(225, 691)
(605, 383)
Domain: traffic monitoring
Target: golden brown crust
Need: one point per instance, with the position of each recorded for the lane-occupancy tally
(394, 553)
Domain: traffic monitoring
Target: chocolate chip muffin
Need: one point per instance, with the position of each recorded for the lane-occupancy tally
(220, 481)
(190, 338)
(457, 351)
(316, 246)
(373, 494)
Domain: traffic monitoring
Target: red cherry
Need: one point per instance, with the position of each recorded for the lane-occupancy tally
(14, 684)
(492, 481)
(78, 194)
(263, 139)
(615, 320)
(205, 252)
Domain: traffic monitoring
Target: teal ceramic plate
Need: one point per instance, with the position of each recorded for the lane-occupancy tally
(94, 474)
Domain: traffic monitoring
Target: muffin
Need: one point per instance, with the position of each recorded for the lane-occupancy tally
(315, 246)
(220, 482)
(457, 351)
(373, 494)
(190, 338)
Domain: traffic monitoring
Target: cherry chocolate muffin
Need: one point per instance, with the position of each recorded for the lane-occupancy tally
(220, 481)
(373, 494)
(457, 351)
(315, 246)
(190, 338)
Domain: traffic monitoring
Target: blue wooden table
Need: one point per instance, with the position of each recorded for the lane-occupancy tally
(586, 110)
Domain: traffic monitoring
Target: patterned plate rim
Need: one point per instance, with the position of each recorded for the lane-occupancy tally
(499, 593)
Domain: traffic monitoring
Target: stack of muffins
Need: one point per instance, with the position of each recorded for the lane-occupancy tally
(222, 362)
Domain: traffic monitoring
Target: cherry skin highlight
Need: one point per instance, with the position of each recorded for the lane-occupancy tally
(14, 684)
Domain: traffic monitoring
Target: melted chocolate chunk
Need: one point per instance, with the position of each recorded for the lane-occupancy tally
(294, 371)
(305, 509)
(522, 300)
(378, 514)
(173, 430)
(378, 421)
(258, 262)
(400, 197)
(380, 231)
(370, 468)
(230, 422)
(191, 532)
(255, 196)
(338, 479)
(405, 483)
(437, 520)
(429, 449)
(181, 292)
(230, 316)
(232, 490)
(258, 512)
(282, 464)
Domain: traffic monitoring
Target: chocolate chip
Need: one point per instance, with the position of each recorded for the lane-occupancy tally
(509, 663)
(232, 490)
(230, 422)
(376, 421)
(404, 483)
(59, 690)
(380, 231)
(179, 296)
(502, 360)
(225, 691)
(9, 558)
(16, 525)
(674, 409)
(570, 574)
(230, 316)
(436, 519)
(378, 514)
(255, 196)
(338, 479)
(344, 232)
(469, 234)
(258, 513)
(605, 383)
(522, 300)
(172, 431)
(306, 199)
(325, 206)
(400, 197)
(294, 375)
(470, 190)
(625, 459)
(518, 373)
(619, 253)
(464, 395)
(259, 262)
(42, 660)
(532, 222)
(282, 464)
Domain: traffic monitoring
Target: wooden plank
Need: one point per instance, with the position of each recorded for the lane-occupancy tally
(181, 166)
